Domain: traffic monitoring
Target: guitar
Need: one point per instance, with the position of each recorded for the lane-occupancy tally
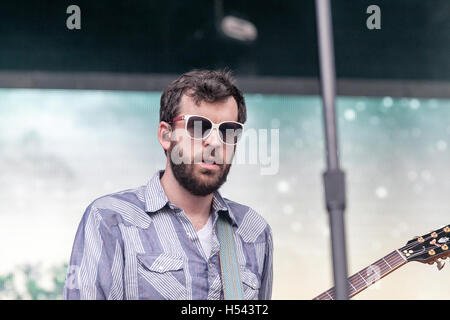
(428, 248)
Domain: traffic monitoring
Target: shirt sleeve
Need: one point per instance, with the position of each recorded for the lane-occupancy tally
(95, 270)
(265, 292)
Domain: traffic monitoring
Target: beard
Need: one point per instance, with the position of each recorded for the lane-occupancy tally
(190, 178)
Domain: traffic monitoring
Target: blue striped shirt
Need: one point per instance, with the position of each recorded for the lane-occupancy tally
(136, 244)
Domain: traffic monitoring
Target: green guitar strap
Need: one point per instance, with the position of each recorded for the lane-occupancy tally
(229, 265)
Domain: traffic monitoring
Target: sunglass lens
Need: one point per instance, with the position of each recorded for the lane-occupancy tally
(230, 132)
(198, 127)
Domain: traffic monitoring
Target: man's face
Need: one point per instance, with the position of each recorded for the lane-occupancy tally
(193, 173)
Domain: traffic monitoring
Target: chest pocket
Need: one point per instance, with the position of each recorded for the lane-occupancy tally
(251, 284)
(161, 276)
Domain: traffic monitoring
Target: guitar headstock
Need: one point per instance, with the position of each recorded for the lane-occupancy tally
(429, 247)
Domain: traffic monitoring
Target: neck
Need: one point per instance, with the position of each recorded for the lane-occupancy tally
(366, 277)
(196, 208)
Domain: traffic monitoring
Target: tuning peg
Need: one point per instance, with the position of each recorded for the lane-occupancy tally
(440, 264)
(420, 239)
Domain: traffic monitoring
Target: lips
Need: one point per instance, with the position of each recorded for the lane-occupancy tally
(209, 164)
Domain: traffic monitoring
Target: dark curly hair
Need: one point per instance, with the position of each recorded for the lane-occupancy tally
(202, 85)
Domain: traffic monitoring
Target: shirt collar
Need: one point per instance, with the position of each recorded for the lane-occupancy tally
(156, 198)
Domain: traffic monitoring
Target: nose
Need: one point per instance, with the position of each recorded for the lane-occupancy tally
(213, 138)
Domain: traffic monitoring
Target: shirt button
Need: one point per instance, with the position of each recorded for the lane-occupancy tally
(160, 268)
(211, 265)
(188, 234)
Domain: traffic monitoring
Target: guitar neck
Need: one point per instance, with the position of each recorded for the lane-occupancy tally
(368, 276)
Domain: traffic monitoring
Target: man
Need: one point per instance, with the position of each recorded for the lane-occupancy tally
(160, 241)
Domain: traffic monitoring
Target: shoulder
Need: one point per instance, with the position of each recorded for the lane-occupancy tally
(252, 226)
(123, 207)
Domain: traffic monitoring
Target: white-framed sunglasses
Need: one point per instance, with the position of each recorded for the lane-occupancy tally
(199, 128)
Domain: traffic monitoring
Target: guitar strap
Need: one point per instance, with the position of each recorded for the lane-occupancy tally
(229, 265)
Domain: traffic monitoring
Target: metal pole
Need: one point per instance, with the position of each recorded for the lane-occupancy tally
(334, 177)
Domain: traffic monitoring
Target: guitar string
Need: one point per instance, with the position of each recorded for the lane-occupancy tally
(362, 281)
(406, 247)
(389, 259)
(390, 268)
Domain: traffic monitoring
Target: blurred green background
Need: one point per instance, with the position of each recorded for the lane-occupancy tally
(61, 149)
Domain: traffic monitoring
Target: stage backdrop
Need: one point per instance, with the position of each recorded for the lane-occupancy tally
(61, 149)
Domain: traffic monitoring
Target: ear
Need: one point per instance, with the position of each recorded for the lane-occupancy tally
(164, 133)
